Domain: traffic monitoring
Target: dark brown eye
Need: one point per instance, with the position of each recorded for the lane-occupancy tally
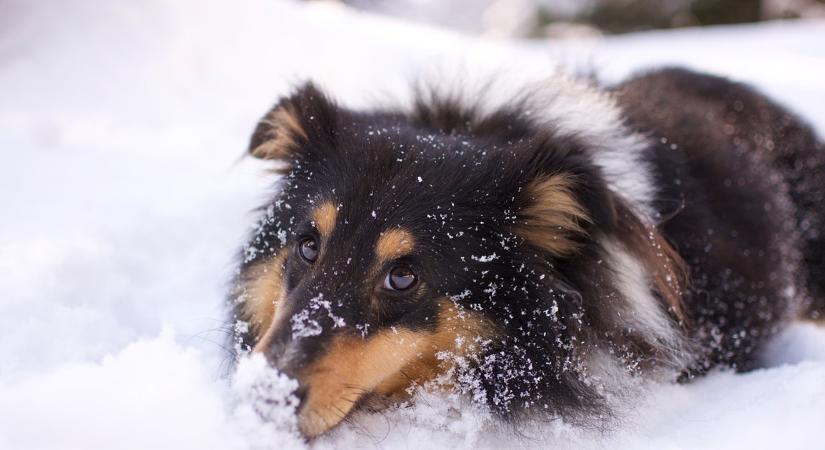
(400, 279)
(308, 250)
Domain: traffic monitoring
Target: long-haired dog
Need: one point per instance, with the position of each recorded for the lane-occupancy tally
(532, 252)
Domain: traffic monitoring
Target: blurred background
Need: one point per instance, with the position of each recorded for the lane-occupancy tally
(577, 18)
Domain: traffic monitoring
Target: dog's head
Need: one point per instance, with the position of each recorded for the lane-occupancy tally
(396, 240)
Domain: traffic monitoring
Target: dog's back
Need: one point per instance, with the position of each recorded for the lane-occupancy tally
(741, 192)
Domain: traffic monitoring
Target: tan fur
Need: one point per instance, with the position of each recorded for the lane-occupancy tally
(284, 129)
(351, 367)
(553, 215)
(393, 244)
(262, 290)
(386, 363)
(323, 217)
(457, 333)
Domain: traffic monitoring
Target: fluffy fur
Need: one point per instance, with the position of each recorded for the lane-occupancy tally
(561, 242)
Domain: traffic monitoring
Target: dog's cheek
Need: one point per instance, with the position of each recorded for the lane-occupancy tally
(262, 289)
(459, 335)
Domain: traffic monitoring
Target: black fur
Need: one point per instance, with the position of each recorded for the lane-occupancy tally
(739, 196)
(743, 179)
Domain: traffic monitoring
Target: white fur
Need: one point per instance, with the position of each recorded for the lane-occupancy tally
(643, 312)
(578, 108)
(606, 373)
(644, 315)
(574, 106)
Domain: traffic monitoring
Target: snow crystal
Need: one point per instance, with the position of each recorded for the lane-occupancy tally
(484, 258)
(304, 326)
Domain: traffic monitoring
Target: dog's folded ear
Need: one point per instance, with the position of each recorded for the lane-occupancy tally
(285, 133)
(552, 218)
(557, 211)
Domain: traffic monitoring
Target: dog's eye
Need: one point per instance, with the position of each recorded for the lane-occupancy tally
(308, 250)
(400, 279)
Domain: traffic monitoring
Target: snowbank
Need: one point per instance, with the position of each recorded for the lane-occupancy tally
(124, 200)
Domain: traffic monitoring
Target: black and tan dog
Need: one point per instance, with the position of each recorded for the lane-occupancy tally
(535, 252)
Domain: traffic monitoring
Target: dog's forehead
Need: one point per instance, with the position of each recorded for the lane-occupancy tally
(415, 200)
(425, 184)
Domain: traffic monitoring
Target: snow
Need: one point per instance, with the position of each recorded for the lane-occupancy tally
(124, 201)
(484, 258)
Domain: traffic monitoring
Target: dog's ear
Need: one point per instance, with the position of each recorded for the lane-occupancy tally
(552, 218)
(558, 209)
(297, 126)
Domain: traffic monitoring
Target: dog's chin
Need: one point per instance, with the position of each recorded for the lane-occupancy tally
(312, 423)
(312, 426)
(322, 413)
(316, 419)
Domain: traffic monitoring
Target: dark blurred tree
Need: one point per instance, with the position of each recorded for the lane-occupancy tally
(717, 12)
(620, 16)
(591, 17)
(628, 15)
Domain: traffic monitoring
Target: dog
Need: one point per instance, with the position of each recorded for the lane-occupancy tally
(534, 253)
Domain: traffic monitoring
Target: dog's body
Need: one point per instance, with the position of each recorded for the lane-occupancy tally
(532, 253)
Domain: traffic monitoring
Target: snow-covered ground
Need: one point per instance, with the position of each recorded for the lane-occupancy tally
(123, 199)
